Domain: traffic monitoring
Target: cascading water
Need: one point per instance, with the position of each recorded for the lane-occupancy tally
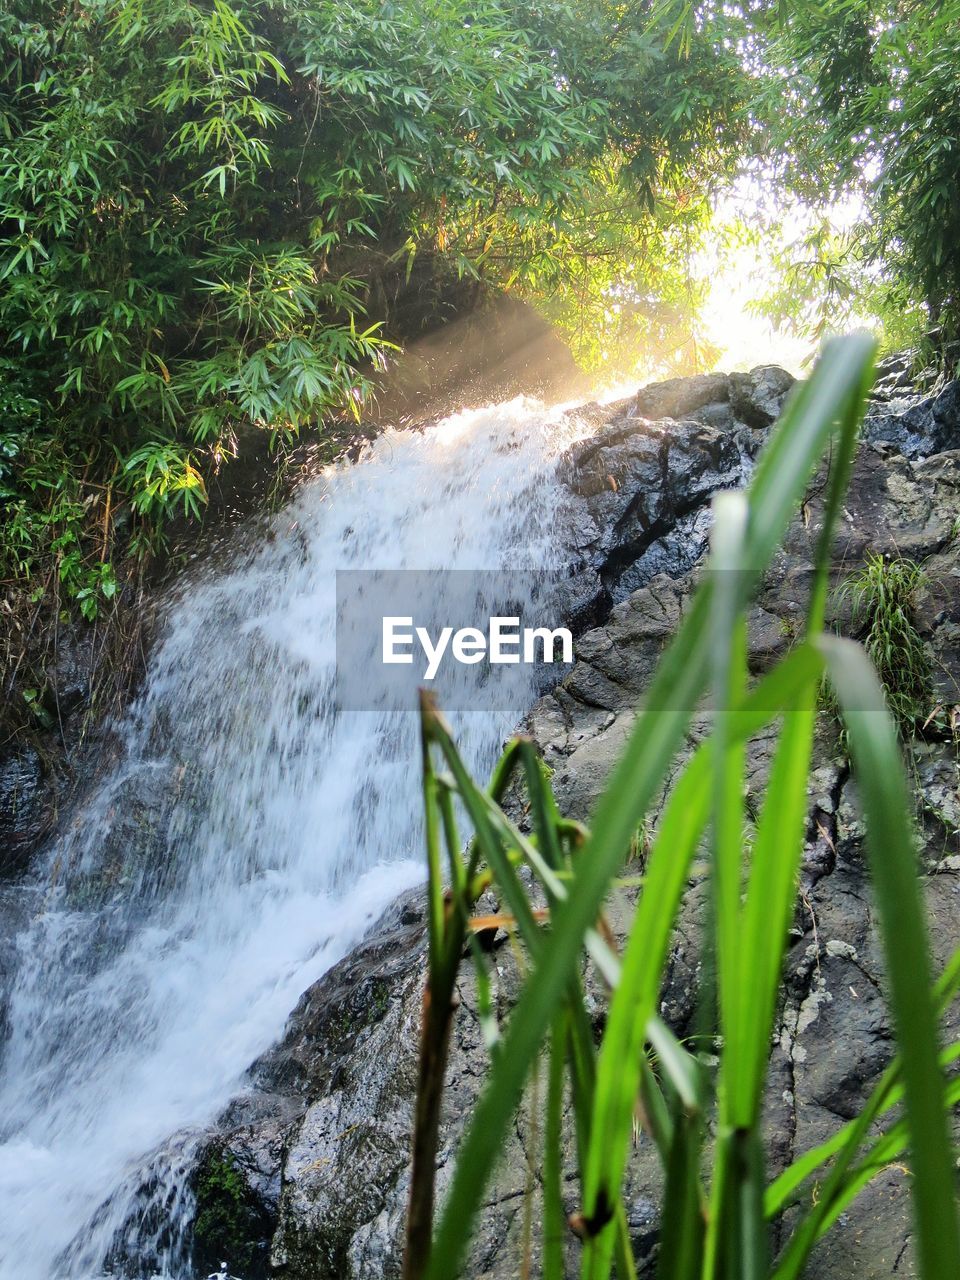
(245, 840)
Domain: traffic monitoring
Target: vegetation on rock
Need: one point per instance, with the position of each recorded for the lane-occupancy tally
(230, 1223)
(884, 606)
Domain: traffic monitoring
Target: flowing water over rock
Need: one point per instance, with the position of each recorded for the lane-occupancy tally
(242, 844)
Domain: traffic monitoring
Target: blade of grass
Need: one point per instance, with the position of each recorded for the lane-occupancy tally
(431, 808)
(635, 1000)
(554, 1218)
(736, 1238)
(885, 1094)
(681, 1243)
(778, 846)
(729, 681)
(446, 933)
(484, 814)
(833, 394)
(542, 805)
(893, 866)
(783, 1191)
(678, 1066)
(887, 1149)
(621, 1053)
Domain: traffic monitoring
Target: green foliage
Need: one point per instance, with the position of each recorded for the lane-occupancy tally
(883, 598)
(882, 77)
(46, 529)
(196, 198)
(230, 1223)
(856, 104)
(704, 1114)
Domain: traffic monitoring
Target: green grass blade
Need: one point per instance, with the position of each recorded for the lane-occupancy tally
(771, 892)
(778, 846)
(451, 837)
(893, 866)
(833, 392)
(886, 1095)
(554, 1218)
(834, 396)
(886, 1149)
(542, 807)
(489, 840)
(887, 1091)
(678, 1066)
(633, 786)
(635, 1000)
(436, 914)
(681, 1242)
(729, 680)
(889, 1147)
(736, 1236)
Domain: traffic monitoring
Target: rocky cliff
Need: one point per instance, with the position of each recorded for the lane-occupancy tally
(307, 1176)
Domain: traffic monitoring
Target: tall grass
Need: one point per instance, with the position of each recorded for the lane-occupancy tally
(705, 1119)
(883, 605)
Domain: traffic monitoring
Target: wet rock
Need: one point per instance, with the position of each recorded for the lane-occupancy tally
(681, 397)
(582, 600)
(233, 1221)
(894, 374)
(15, 907)
(917, 427)
(27, 807)
(641, 495)
(757, 398)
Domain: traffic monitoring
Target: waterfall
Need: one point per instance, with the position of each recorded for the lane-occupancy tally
(245, 838)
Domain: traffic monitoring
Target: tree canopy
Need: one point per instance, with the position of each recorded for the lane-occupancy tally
(200, 201)
(196, 197)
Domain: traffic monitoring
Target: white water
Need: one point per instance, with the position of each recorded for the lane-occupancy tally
(247, 837)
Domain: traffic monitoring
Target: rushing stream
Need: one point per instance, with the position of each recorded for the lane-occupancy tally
(244, 841)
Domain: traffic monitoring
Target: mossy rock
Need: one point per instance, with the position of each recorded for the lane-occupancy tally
(232, 1224)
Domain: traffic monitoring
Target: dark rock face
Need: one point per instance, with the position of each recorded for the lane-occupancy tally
(917, 427)
(324, 1137)
(758, 397)
(642, 489)
(681, 397)
(26, 807)
(41, 743)
(755, 399)
(324, 1141)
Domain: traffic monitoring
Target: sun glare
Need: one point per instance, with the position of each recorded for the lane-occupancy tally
(740, 276)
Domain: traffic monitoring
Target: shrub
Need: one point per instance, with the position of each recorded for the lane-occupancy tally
(883, 597)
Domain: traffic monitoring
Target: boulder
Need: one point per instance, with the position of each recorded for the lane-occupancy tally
(917, 427)
(681, 397)
(640, 497)
(757, 398)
